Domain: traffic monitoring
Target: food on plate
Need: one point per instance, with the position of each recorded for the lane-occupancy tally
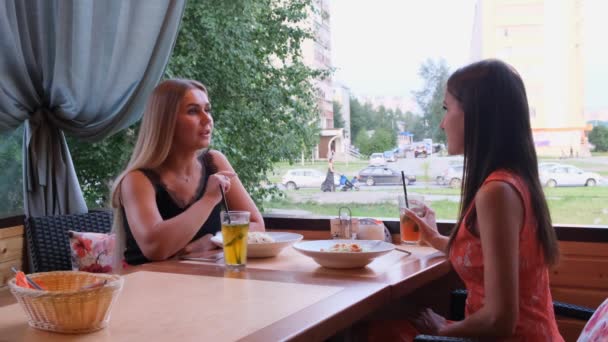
(344, 248)
(259, 237)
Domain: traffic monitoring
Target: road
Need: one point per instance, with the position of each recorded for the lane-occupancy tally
(431, 166)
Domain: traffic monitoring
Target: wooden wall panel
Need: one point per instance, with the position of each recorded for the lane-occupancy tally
(11, 251)
(580, 278)
(582, 274)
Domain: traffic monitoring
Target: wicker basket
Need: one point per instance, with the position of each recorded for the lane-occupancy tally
(66, 307)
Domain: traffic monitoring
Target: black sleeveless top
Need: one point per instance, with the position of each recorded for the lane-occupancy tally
(168, 209)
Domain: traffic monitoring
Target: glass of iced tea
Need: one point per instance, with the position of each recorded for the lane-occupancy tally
(235, 226)
(410, 232)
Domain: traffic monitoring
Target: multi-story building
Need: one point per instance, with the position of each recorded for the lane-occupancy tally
(542, 40)
(317, 54)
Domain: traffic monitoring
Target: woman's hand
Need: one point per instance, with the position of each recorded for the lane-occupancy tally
(426, 223)
(202, 244)
(219, 180)
(429, 323)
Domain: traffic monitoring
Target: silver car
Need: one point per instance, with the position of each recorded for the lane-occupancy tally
(452, 176)
(567, 175)
(377, 159)
(305, 178)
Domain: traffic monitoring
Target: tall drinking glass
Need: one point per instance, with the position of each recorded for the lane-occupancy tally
(410, 232)
(235, 226)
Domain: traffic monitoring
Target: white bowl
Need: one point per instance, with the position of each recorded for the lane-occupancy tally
(371, 250)
(265, 250)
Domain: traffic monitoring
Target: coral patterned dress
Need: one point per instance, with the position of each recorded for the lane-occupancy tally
(536, 320)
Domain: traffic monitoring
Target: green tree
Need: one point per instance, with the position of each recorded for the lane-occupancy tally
(360, 119)
(11, 178)
(413, 123)
(430, 99)
(248, 53)
(381, 140)
(338, 117)
(599, 137)
(97, 164)
(362, 141)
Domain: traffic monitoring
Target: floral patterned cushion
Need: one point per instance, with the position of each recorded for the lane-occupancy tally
(596, 329)
(92, 252)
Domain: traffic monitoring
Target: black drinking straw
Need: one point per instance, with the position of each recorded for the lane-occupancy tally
(407, 204)
(225, 203)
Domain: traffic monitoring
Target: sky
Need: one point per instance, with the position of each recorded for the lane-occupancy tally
(379, 45)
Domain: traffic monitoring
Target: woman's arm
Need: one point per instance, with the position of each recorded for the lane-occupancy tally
(237, 197)
(159, 239)
(500, 218)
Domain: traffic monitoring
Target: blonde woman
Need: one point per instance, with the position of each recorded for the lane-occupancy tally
(167, 201)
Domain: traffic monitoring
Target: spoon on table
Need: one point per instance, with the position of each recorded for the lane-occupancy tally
(403, 251)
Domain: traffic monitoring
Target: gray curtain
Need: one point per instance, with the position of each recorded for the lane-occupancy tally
(85, 67)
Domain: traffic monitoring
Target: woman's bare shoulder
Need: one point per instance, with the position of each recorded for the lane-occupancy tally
(135, 179)
(220, 160)
(496, 191)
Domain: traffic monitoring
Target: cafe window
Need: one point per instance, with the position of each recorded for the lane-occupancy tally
(558, 121)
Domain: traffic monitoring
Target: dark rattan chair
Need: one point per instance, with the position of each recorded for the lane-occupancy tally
(457, 304)
(48, 241)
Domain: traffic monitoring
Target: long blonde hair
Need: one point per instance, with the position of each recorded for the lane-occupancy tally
(153, 144)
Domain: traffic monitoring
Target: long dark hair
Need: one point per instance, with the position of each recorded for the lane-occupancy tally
(497, 135)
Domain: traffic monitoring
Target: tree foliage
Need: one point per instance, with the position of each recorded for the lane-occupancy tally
(381, 140)
(599, 137)
(384, 122)
(248, 54)
(430, 99)
(97, 164)
(360, 117)
(11, 178)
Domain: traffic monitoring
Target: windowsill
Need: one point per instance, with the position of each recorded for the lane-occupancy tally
(565, 232)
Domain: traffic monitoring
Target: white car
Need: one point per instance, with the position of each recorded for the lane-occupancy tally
(567, 175)
(546, 165)
(377, 159)
(305, 178)
(452, 176)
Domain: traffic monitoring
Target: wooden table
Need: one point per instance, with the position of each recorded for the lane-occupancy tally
(288, 297)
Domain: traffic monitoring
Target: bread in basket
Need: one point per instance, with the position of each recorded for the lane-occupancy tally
(65, 306)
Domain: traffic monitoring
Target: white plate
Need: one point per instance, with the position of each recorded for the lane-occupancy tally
(371, 250)
(265, 250)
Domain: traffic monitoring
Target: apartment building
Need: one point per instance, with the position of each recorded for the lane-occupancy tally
(317, 54)
(542, 40)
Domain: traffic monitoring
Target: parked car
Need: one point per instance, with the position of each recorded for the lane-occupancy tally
(420, 151)
(452, 176)
(546, 165)
(377, 159)
(382, 175)
(305, 178)
(567, 175)
(390, 156)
